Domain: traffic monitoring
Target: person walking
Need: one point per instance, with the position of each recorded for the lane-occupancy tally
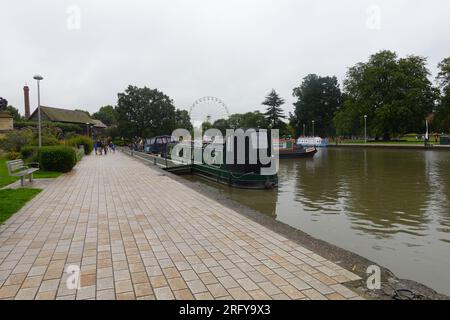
(95, 147)
(112, 147)
(100, 147)
(105, 147)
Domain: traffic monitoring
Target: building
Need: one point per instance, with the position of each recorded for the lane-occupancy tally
(64, 116)
(98, 129)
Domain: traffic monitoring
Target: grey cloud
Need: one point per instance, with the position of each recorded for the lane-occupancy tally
(235, 50)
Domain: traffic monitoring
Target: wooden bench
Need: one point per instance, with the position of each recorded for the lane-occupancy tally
(17, 168)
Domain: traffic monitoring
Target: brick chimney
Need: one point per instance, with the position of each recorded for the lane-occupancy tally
(26, 96)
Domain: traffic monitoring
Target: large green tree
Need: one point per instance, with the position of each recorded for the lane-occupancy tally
(145, 112)
(395, 94)
(183, 120)
(107, 115)
(247, 120)
(14, 113)
(442, 119)
(254, 120)
(274, 113)
(318, 98)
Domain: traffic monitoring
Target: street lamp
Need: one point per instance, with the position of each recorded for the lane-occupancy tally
(365, 128)
(313, 127)
(38, 78)
(304, 132)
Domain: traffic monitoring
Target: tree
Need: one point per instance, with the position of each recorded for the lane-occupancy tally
(318, 98)
(255, 120)
(107, 115)
(442, 119)
(206, 125)
(3, 104)
(274, 112)
(14, 113)
(222, 125)
(395, 94)
(183, 120)
(144, 112)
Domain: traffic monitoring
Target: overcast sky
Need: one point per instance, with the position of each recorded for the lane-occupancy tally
(236, 50)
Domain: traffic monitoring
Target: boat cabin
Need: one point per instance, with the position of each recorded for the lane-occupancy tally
(158, 145)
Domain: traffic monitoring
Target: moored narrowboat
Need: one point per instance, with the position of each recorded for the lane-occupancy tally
(288, 148)
(247, 174)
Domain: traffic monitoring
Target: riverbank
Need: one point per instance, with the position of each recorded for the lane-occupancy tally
(344, 258)
(391, 146)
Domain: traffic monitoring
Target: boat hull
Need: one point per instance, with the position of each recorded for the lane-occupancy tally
(236, 180)
(298, 154)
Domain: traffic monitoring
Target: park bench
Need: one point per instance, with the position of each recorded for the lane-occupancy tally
(17, 168)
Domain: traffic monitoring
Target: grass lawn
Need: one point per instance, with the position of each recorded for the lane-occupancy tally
(11, 200)
(5, 179)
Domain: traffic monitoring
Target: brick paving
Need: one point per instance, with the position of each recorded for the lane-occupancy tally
(138, 234)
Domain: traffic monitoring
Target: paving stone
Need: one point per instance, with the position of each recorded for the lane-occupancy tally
(217, 290)
(184, 294)
(164, 293)
(111, 217)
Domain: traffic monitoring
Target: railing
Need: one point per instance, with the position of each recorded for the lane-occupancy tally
(155, 159)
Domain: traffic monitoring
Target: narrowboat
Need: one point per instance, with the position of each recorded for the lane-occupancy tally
(213, 166)
(157, 145)
(288, 148)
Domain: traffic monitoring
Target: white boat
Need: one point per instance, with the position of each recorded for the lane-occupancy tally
(312, 142)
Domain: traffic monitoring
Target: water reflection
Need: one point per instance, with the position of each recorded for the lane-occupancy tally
(390, 206)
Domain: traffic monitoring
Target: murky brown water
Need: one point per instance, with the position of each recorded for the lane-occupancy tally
(390, 206)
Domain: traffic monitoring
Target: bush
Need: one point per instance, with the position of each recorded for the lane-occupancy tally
(78, 141)
(15, 140)
(29, 152)
(47, 141)
(13, 155)
(64, 127)
(80, 153)
(60, 158)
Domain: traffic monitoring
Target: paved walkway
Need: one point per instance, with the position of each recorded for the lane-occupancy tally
(138, 234)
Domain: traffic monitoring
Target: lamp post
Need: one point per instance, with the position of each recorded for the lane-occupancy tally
(365, 128)
(304, 132)
(313, 128)
(38, 78)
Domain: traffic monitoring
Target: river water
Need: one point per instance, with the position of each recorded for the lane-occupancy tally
(390, 206)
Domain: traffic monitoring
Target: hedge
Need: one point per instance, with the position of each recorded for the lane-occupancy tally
(65, 127)
(78, 141)
(30, 152)
(79, 153)
(59, 158)
(47, 141)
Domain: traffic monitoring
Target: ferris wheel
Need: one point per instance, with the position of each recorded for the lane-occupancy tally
(208, 109)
